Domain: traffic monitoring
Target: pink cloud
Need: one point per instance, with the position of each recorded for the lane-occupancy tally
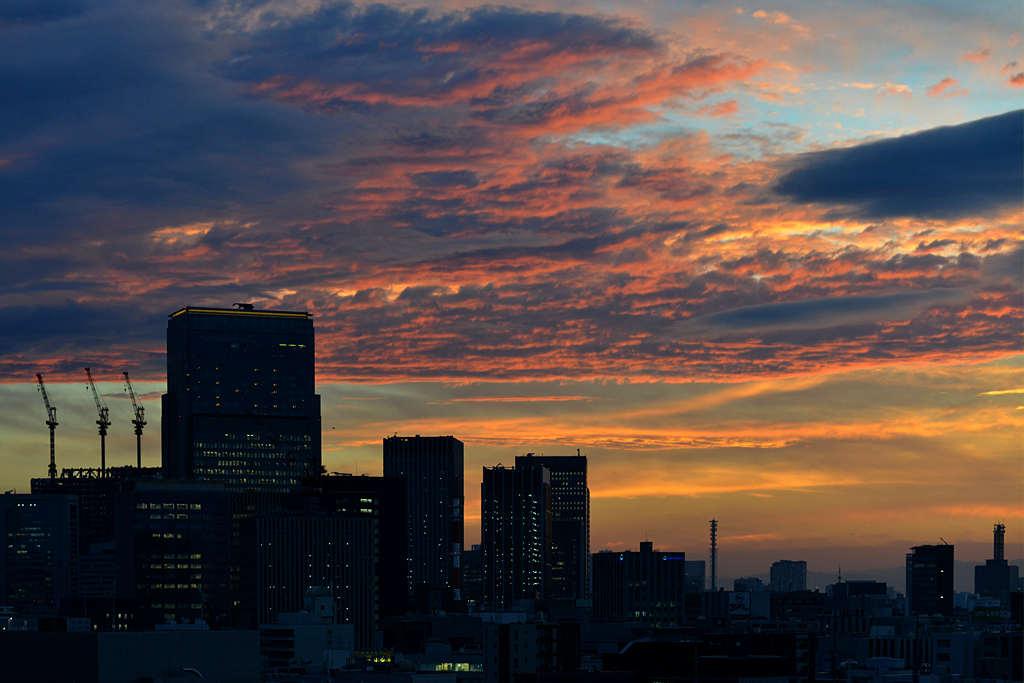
(720, 109)
(977, 56)
(947, 87)
(1017, 81)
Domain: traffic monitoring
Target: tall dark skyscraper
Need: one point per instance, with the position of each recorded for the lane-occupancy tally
(570, 523)
(432, 469)
(241, 407)
(515, 521)
(930, 579)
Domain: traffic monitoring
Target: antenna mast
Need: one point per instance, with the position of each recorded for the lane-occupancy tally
(140, 418)
(51, 422)
(103, 421)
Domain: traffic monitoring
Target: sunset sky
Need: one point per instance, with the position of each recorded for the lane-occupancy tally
(759, 262)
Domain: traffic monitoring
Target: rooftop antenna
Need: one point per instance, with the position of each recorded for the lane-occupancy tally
(140, 418)
(103, 421)
(714, 555)
(51, 422)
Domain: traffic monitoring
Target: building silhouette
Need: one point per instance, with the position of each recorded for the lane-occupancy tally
(432, 467)
(293, 552)
(787, 576)
(381, 499)
(515, 525)
(996, 578)
(40, 542)
(930, 580)
(172, 548)
(570, 524)
(647, 586)
(241, 409)
(241, 406)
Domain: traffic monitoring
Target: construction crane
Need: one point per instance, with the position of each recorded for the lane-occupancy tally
(103, 420)
(140, 417)
(51, 422)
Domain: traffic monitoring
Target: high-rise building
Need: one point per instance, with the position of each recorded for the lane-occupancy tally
(930, 580)
(293, 552)
(432, 467)
(40, 541)
(515, 521)
(241, 406)
(382, 499)
(997, 577)
(570, 523)
(646, 586)
(172, 548)
(787, 576)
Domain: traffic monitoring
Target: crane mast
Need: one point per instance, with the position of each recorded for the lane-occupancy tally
(140, 417)
(51, 422)
(103, 420)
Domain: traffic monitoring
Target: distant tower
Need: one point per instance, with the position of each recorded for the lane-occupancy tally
(998, 532)
(714, 556)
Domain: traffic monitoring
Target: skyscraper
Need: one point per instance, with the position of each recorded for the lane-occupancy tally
(241, 406)
(570, 523)
(432, 469)
(787, 576)
(930, 579)
(515, 521)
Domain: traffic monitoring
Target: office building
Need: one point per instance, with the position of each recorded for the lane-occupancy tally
(996, 578)
(647, 586)
(787, 576)
(515, 520)
(40, 542)
(292, 552)
(172, 548)
(570, 524)
(381, 499)
(930, 580)
(241, 408)
(432, 468)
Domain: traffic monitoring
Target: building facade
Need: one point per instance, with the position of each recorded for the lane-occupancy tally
(241, 406)
(172, 547)
(648, 586)
(930, 580)
(787, 576)
(293, 552)
(40, 544)
(570, 524)
(515, 524)
(432, 467)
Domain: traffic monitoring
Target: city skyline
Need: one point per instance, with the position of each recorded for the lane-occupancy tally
(760, 264)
